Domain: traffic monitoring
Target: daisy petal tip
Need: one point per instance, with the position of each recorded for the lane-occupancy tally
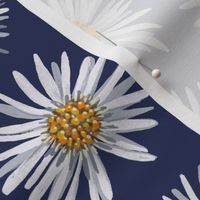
(5, 190)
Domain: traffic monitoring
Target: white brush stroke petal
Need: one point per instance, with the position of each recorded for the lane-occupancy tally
(115, 77)
(126, 114)
(127, 154)
(47, 179)
(85, 69)
(94, 77)
(102, 176)
(20, 148)
(31, 92)
(71, 195)
(122, 142)
(19, 128)
(22, 107)
(23, 170)
(65, 75)
(13, 112)
(166, 198)
(188, 188)
(179, 195)
(15, 162)
(59, 183)
(40, 169)
(47, 80)
(24, 136)
(126, 100)
(120, 89)
(131, 125)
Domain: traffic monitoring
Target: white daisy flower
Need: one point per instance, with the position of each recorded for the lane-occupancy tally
(113, 21)
(189, 5)
(190, 194)
(65, 134)
(3, 16)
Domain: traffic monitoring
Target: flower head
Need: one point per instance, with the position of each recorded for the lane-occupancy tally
(190, 194)
(65, 134)
(115, 20)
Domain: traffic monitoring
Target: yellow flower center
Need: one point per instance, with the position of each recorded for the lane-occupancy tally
(87, 28)
(74, 125)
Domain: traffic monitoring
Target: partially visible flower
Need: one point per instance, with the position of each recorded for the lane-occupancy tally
(3, 16)
(190, 194)
(192, 4)
(65, 134)
(113, 19)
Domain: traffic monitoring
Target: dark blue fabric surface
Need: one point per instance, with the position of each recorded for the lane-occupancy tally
(176, 146)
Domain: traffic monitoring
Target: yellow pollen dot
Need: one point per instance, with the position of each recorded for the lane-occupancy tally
(75, 121)
(68, 108)
(75, 111)
(67, 116)
(53, 129)
(60, 110)
(91, 112)
(85, 114)
(89, 139)
(51, 119)
(83, 134)
(81, 105)
(61, 134)
(58, 119)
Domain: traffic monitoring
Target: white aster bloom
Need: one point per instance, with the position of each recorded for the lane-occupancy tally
(65, 134)
(189, 5)
(3, 16)
(114, 19)
(189, 192)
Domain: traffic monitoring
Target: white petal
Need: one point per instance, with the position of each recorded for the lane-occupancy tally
(57, 76)
(20, 148)
(122, 142)
(40, 169)
(13, 112)
(126, 114)
(130, 19)
(73, 164)
(31, 92)
(71, 195)
(24, 136)
(65, 75)
(130, 125)
(84, 72)
(60, 181)
(23, 170)
(94, 77)
(190, 4)
(166, 198)
(179, 195)
(3, 10)
(110, 84)
(47, 80)
(15, 162)
(47, 179)
(127, 154)
(126, 100)
(102, 176)
(89, 173)
(121, 89)
(188, 188)
(22, 107)
(19, 128)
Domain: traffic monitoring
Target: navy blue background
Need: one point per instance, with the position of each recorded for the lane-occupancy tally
(176, 146)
